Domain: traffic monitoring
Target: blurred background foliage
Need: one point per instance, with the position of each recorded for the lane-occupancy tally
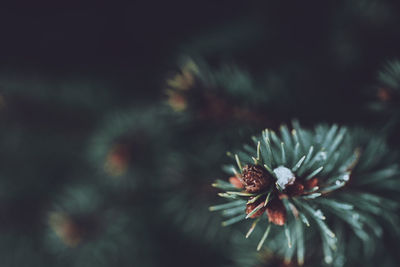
(116, 118)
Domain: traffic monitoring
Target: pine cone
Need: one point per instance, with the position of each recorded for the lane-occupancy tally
(251, 206)
(255, 178)
(276, 212)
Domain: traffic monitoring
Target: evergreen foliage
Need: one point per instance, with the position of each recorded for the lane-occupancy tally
(115, 123)
(331, 176)
(84, 230)
(387, 92)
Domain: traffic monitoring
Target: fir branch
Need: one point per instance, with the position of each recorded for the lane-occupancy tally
(306, 174)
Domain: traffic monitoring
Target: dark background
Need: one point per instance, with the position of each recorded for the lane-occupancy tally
(328, 53)
(334, 46)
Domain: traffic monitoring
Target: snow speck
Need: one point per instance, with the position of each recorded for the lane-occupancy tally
(284, 176)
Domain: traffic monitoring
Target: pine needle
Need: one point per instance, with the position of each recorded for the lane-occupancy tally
(253, 226)
(287, 234)
(264, 237)
(233, 220)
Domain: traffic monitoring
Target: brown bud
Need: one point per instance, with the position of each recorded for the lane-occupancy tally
(236, 182)
(117, 160)
(176, 101)
(384, 94)
(295, 189)
(255, 178)
(310, 184)
(65, 228)
(276, 212)
(251, 206)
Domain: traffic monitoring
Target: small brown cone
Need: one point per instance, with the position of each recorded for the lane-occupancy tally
(255, 178)
(276, 212)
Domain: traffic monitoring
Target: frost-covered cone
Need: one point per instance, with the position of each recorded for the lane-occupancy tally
(320, 178)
